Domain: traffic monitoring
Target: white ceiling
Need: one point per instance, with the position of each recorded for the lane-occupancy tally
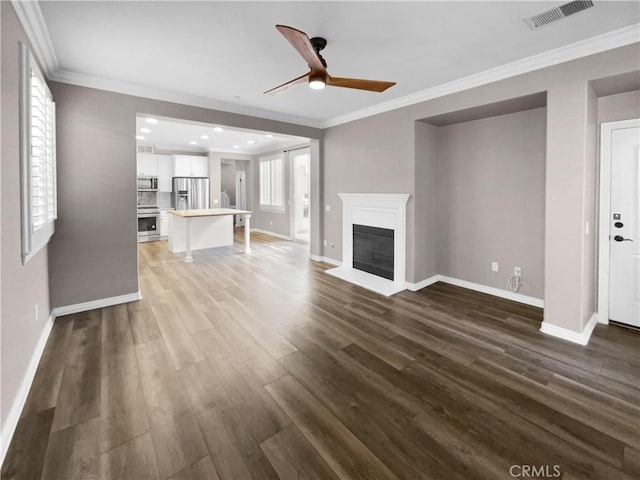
(175, 134)
(230, 52)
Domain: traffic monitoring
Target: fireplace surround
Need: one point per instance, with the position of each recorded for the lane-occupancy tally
(385, 211)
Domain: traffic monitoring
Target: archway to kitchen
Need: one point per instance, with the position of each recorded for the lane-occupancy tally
(191, 165)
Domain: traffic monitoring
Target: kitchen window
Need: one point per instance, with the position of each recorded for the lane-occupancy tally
(38, 157)
(271, 181)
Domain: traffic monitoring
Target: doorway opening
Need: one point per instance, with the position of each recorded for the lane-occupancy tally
(300, 194)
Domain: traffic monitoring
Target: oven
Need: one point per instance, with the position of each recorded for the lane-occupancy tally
(148, 223)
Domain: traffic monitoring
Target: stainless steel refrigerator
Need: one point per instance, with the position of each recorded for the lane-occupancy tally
(190, 193)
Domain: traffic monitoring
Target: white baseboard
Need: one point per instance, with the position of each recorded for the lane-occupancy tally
(330, 261)
(414, 287)
(93, 304)
(273, 234)
(11, 422)
(581, 338)
(516, 297)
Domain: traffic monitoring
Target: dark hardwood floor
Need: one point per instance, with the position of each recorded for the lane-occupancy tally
(263, 367)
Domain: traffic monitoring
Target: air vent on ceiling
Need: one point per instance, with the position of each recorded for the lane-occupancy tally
(558, 13)
(146, 149)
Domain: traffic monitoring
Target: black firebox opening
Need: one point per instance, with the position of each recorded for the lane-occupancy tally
(373, 250)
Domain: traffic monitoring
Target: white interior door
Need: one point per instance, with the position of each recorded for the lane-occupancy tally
(300, 195)
(241, 195)
(624, 270)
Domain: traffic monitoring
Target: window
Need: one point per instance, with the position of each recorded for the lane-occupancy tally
(271, 180)
(38, 157)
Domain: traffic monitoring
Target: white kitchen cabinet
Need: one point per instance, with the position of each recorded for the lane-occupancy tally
(190, 166)
(147, 165)
(165, 172)
(200, 166)
(164, 224)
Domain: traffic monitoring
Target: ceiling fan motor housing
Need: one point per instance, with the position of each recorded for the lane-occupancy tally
(318, 44)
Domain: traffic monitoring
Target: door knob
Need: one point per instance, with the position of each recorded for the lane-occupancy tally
(620, 238)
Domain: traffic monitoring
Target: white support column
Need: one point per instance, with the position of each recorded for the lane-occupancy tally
(247, 233)
(188, 258)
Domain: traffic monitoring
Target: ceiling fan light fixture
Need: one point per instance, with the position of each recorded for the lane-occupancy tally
(317, 82)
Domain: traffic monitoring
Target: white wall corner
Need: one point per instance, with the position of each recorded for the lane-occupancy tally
(414, 287)
(93, 304)
(11, 422)
(581, 338)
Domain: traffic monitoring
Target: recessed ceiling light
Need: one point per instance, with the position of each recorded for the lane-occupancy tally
(204, 137)
(268, 135)
(145, 130)
(251, 142)
(218, 129)
(193, 142)
(236, 146)
(139, 137)
(151, 120)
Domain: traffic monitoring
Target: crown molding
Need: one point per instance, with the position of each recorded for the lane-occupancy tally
(590, 46)
(127, 88)
(30, 16)
(32, 21)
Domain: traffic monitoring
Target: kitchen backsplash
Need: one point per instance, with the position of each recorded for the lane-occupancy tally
(164, 200)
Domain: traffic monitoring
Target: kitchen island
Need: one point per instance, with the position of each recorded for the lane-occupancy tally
(207, 228)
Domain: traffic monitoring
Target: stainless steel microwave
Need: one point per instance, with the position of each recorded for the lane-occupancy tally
(148, 184)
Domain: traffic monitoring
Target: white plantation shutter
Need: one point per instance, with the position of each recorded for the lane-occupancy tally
(276, 182)
(265, 182)
(38, 163)
(272, 183)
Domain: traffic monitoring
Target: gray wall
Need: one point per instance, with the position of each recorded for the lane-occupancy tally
(377, 154)
(22, 286)
(228, 180)
(623, 106)
(490, 200)
(374, 155)
(425, 252)
(94, 253)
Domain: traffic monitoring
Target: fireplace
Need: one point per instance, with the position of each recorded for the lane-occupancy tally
(373, 250)
(374, 241)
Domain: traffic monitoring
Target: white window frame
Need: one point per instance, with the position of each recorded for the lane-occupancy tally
(275, 202)
(37, 146)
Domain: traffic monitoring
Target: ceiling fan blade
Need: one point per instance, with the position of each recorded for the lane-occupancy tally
(300, 41)
(359, 84)
(290, 83)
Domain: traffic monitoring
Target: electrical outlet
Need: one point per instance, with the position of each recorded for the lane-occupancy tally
(333, 244)
(517, 271)
(326, 243)
(327, 208)
(36, 311)
(215, 201)
(494, 266)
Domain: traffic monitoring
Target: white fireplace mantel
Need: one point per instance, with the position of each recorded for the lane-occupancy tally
(382, 210)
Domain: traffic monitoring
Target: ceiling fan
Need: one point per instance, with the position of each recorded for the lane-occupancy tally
(317, 76)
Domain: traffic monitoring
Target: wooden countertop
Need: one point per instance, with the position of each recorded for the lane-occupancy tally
(208, 212)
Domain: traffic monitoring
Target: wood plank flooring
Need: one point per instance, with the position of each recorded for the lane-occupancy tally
(243, 367)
